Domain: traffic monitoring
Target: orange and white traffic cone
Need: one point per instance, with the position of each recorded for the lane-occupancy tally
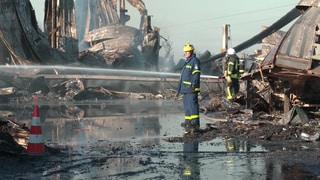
(35, 144)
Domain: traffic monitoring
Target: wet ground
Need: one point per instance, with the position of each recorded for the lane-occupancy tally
(142, 139)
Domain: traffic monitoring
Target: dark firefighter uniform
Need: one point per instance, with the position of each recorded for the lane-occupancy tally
(190, 166)
(189, 86)
(231, 73)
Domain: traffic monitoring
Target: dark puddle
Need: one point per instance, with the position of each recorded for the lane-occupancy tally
(124, 140)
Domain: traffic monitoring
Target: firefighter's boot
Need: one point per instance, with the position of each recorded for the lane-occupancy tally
(193, 128)
(187, 127)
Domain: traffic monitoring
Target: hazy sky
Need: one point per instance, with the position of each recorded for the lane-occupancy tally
(200, 21)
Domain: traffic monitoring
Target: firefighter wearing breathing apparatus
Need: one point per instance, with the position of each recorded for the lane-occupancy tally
(232, 71)
(189, 87)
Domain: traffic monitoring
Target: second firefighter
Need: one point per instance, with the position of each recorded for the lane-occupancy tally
(232, 73)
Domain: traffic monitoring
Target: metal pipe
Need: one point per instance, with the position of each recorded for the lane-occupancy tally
(286, 19)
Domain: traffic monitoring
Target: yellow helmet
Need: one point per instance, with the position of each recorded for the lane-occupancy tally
(188, 47)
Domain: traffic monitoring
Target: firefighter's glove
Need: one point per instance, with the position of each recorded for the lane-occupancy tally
(228, 78)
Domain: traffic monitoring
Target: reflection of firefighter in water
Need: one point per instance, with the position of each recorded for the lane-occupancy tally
(233, 145)
(190, 163)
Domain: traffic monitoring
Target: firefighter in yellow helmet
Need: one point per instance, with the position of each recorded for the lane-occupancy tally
(189, 87)
(231, 73)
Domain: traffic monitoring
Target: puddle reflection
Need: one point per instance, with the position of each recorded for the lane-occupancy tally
(123, 139)
(190, 161)
(234, 145)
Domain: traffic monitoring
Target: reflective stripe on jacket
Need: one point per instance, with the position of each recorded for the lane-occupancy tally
(232, 69)
(190, 76)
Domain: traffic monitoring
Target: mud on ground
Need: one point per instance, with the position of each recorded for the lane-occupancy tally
(290, 143)
(283, 142)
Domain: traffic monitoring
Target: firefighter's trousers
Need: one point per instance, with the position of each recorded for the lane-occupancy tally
(191, 108)
(232, 88)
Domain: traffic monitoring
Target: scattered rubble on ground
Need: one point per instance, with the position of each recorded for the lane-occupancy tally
(227, 121)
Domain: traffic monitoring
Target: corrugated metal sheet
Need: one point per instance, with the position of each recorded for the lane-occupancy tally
(300, 39)
(297, 50)
(294, 63)
(305, 4)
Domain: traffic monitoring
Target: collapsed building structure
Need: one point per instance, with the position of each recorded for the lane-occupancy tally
(288, 77)
(96, 32)
(81, 33)
(87, 32)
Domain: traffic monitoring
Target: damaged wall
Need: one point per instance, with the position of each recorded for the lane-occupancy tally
(21, 40)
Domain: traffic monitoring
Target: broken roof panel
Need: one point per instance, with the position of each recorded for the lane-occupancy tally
(299, 47)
